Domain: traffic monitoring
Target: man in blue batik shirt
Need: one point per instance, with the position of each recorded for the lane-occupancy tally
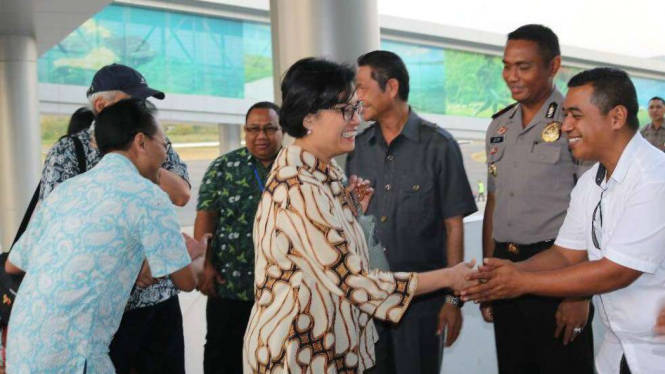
(83, 250)
(150, 337)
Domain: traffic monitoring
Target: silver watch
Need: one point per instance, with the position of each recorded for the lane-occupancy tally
(454, 300)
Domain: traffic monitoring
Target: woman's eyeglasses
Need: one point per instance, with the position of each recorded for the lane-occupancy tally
(349, 110)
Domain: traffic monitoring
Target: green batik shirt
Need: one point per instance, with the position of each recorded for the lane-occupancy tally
(231, 188)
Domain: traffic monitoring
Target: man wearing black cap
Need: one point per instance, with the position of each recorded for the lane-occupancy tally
(150, 337)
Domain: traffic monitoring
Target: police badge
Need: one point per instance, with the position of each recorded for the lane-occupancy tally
(551, 132)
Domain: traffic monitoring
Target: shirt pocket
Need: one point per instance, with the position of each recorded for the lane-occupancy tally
(544, 167)
(416, 200)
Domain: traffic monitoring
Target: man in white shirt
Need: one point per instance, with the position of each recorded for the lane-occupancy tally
(612, 242)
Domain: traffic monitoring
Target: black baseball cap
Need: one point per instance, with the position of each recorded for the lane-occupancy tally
(118, 77)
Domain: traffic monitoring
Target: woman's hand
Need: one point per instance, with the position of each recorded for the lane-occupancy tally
(459, 273)
(362, 191)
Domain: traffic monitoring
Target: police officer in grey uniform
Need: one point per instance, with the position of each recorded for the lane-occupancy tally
(654, 132)
(531, 173)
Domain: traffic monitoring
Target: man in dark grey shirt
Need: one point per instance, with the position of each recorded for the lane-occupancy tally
(421, 195)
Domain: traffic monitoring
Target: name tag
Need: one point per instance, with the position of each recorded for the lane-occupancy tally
(496, 139)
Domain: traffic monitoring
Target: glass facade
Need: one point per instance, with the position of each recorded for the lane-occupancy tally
(201, 55)
(176, 52)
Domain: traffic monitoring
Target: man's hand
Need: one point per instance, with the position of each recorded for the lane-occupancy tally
(450, 317)
(360, 187)
(209, 279)
(145, 278)
(572, 314)
(499, 279)
(486, 311)
(196, 248)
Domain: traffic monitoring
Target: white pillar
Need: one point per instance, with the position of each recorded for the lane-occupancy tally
(339, 30)
(20, 131)
(229, 138)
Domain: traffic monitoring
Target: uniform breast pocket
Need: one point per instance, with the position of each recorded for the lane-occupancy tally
(544, 166)
(417, 198)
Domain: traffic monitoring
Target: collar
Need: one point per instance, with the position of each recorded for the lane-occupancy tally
(627, 158)
(555, 100)
(411, 129)
(298, 157)
(119, 159)
(255, 161)
(650, 126)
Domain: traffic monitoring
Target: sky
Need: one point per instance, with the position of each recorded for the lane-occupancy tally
(634, 27)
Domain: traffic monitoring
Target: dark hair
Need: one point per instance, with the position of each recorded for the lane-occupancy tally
(117, 125)
(262, 105)
(312, 84)
(543, 36)
(657, 98)
(611, 88)
(385, 66)
(80, 120)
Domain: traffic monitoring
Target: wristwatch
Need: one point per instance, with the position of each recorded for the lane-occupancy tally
(454, 300)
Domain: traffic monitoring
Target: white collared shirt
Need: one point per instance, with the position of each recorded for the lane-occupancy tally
(632, 235)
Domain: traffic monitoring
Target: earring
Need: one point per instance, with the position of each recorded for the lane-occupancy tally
(309, 131)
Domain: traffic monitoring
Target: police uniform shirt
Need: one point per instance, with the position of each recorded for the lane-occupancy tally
(531, 177)
(655, 136)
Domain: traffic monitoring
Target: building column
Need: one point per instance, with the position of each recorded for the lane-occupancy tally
(229, 138)
(339, 30)
(20, 145)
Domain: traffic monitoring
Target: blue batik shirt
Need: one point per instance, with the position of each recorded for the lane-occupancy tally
(82, 253)
(61, 164)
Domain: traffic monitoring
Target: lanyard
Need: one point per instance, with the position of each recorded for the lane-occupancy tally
(258, 178)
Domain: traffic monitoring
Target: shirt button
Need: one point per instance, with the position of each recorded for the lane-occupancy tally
(384, 218)
(510, 223)
(416, 187)
(390, 158)
(521, 137)
(515, 164)
(388, 187)
(511, 194)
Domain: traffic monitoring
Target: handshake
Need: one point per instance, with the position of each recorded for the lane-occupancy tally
(494, 279)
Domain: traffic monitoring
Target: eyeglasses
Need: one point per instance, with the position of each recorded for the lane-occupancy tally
(167, 145)
(348, 110)
(256, 130)
(596, 233)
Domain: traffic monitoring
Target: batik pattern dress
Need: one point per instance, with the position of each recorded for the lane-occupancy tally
(315, 295)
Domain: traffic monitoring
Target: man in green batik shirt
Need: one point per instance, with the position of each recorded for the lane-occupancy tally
(227, 203)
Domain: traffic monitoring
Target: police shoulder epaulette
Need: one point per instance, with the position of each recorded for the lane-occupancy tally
(504, 110)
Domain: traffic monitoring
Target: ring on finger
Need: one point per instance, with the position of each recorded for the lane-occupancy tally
(577, 330)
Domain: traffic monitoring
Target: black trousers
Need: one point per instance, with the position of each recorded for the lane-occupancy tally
(150, 340)
(227, 321)
(524, 330)
(411, 346)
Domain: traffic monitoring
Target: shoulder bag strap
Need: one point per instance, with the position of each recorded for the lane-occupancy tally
(80, 156)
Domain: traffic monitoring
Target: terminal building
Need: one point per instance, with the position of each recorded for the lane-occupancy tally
(215, 58)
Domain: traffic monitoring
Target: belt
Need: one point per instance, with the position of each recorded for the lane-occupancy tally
(525, 249)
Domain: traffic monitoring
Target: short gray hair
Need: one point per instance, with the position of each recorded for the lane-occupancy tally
(107, 96)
